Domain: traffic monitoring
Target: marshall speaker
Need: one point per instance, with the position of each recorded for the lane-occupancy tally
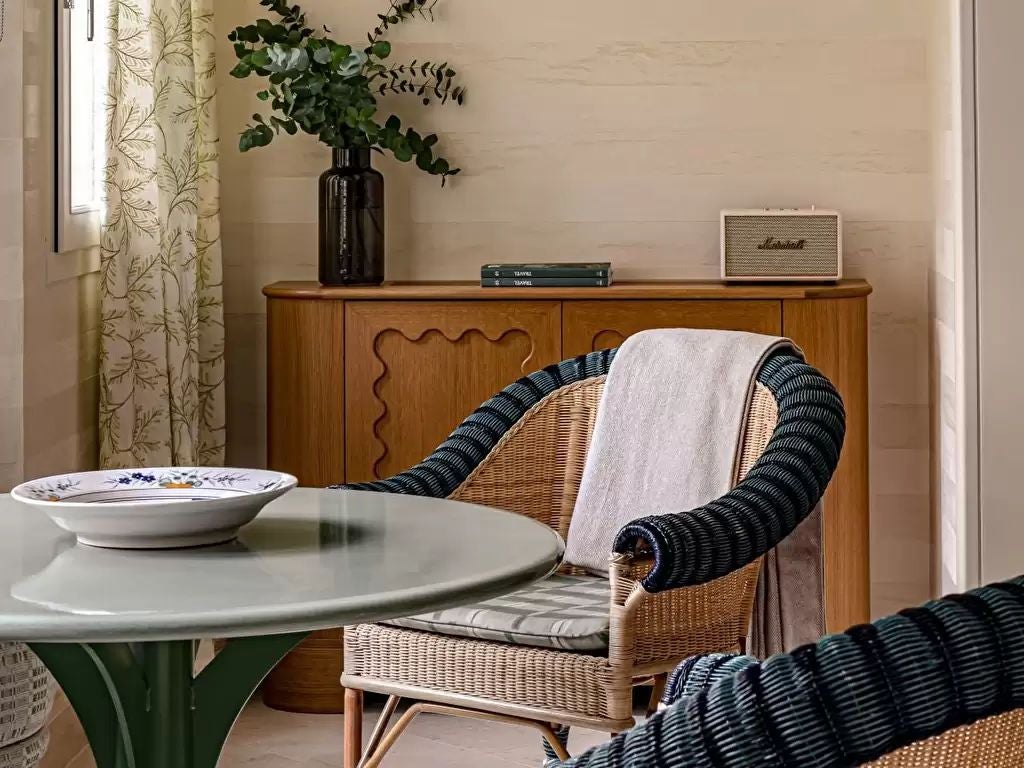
(782, 244)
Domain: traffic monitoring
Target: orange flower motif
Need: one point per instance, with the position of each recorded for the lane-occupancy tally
(178, 485)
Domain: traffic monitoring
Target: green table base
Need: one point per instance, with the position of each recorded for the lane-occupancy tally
(141, 706)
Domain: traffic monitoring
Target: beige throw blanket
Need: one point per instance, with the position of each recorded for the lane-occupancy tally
(668, 432)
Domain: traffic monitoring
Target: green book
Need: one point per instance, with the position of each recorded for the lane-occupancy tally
(544, 282)
(564, 269)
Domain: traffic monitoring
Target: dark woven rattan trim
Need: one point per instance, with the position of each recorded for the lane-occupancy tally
(781, 489)
(743, 720)
(472, 441)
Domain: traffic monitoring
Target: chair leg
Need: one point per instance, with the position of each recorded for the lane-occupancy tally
(380, 728)
(657, 691)
(353, 748)
(555, 736)
(556, 743)
(372, 759)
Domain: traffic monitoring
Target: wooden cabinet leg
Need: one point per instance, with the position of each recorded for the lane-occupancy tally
(353, 727)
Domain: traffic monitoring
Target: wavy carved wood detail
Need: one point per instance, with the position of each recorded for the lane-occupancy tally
(607, 338)
(415, 338)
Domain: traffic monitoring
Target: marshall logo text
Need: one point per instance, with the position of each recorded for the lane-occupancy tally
(772, 244)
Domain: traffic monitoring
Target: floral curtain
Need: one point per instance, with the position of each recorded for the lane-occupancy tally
(162, 336)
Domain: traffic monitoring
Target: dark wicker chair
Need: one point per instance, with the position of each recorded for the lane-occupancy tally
(679, 584)
(940, 686)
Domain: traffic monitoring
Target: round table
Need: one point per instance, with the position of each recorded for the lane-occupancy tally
(118, 628)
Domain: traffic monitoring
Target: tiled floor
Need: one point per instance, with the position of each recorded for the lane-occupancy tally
(264, 737)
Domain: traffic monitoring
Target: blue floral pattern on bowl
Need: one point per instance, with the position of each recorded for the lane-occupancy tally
(174, 478)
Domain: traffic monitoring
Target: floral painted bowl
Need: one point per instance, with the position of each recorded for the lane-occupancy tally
(155, 508)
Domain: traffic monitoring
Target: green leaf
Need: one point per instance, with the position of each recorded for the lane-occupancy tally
(425, 160)
(248, 34)
(265, 29)
(339, 53)
(352, 64)
(322, 56)
(381, 49)
(260, 58)
(440, 167)
(393, 123)
(241, 69)
(415, 142)
(288, 126)
(403, 153)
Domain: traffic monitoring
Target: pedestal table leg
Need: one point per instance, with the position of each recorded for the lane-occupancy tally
(141, 705)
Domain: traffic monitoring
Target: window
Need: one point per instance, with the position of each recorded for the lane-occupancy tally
(81, 75)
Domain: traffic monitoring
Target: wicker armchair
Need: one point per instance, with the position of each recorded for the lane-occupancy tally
(679, 584)
(941, 686)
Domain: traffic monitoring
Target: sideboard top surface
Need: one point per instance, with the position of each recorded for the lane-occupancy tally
(471, 290)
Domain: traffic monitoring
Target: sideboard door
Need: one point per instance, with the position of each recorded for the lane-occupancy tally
(415, 369)
(591, 325)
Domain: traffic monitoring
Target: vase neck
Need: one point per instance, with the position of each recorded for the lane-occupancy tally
(351, 157)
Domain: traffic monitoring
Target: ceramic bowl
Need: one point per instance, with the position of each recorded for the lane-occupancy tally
(155, 508)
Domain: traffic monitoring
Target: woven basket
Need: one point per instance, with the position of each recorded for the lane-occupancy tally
(26, 753)
(26, 693)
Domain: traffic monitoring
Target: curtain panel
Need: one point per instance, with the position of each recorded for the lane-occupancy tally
(162, 332)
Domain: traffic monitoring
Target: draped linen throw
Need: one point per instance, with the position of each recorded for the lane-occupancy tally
(789, 605)
(668, 438)
(162, 331)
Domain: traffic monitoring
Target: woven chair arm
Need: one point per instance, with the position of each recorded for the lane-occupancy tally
(652, 629)
(472, 441)
(781, 489)
(699, 673)
(849, 699)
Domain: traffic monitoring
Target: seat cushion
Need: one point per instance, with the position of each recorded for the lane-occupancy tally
(562, 612)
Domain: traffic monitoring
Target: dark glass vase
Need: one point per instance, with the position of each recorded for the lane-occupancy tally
(351, 220)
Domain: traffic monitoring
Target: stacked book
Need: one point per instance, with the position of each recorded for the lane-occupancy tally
(564, 275)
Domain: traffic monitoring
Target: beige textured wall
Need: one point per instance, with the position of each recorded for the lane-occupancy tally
(602, 129)
(61, 303)
(11, 251)
(61, 314)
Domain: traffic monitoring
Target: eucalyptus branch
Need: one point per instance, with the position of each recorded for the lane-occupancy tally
(329, 90)
(425, 89)
(399, 11)
(437, 81)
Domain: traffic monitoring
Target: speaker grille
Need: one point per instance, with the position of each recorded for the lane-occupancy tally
(819, 256)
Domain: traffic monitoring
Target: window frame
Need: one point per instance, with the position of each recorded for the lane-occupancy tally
(78, 228)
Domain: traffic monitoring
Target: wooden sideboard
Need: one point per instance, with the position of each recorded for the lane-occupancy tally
(363, 382)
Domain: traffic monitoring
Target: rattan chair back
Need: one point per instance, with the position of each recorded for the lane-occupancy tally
(995, 742)
(536, 467)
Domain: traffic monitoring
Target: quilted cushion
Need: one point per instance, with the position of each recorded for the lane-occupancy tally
(563, 612)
